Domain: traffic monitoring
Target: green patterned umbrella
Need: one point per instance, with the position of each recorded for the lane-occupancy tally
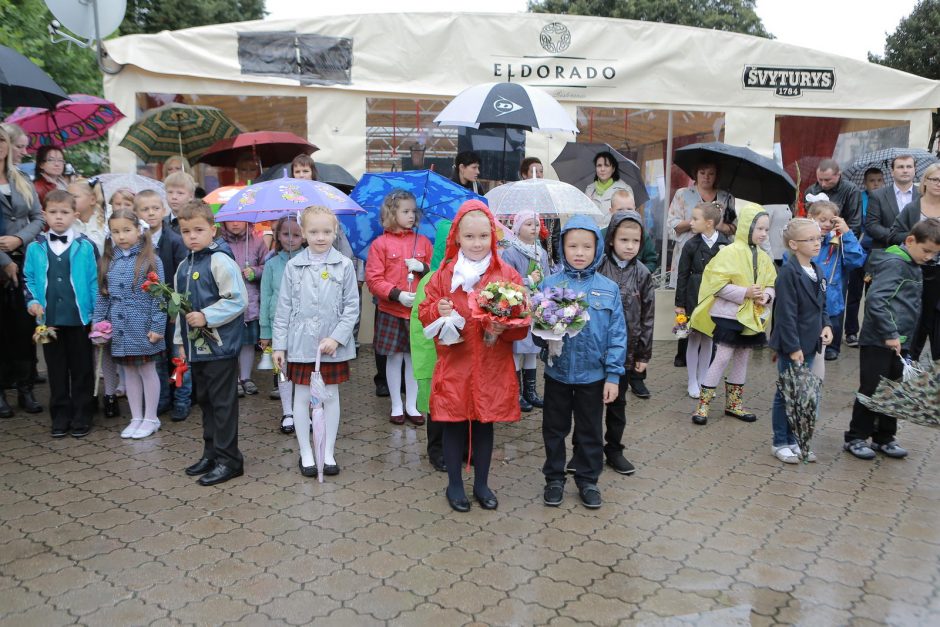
(178, 129)
(916, 400)
(799, 388)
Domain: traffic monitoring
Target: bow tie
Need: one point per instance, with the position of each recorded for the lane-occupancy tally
(58, 238)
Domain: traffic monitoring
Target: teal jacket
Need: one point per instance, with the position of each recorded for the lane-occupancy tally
(83, 260)
(270, 287)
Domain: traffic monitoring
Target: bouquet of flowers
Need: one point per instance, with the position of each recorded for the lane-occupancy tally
(558, 312)
(43, 334)
(499, 303)
(99, 336)
(681, 330)
(172, 302)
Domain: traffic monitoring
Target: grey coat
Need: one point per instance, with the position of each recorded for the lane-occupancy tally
(22, 217)
(316, 300)
(520, 263)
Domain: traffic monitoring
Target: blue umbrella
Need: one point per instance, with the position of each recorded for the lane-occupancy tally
(437, 197)
(273, 200)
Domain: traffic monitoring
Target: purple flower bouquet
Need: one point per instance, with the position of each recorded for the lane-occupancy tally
(558, 312)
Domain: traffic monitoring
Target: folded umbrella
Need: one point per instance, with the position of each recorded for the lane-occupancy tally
(318, 394)
(800, 390)
(575, 165)
(79, 119)
(273, 200)
(267, 146)
(741, 172)
(543, 196)
(177, 129)
(882, 159)
(916, 400)
(23, 84)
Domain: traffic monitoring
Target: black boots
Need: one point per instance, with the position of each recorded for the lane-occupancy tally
(111, 407)
(528, 388)
(524, 404)
(27, 401)
(5, 410)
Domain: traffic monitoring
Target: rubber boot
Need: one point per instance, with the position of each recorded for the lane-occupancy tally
(111, 407)
(700, 417)
(524, 405)
(5, 410)
(529, 389)
(27, 401)
(734, 405)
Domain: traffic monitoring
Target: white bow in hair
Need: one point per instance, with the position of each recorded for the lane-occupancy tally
(811, 198)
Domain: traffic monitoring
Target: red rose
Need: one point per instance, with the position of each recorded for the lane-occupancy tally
(146, 286)
(153, 277)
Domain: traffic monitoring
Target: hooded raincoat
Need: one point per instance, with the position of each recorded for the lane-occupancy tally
(472, 381)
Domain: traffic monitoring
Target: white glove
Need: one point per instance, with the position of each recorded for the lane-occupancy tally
(406, 298)
(414, 265)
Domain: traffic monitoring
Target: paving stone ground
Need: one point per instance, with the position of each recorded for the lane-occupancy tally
(710, 530)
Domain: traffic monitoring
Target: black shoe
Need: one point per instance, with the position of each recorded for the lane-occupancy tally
(201, 467)
(679, 361)
(851, 340)
(381, 390)
(80, 432)
(620, 464)
(639, 389)
(40, 378)
(179, 414)
(590, 495)
(832, 354)
(330, 470)
(287, 429)
(699, 420)
(59, 433)
(5, 410)
(308, 471)
(554, 493)
(486, 502)
(220, 474)
(524, 405)
(27, 401)
(111, 407)
(459, 504)
(529, 389)
(438, 464)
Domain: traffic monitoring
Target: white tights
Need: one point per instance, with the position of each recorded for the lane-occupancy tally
(526, 361)
(698, 356)
(302, 423)
(286, 388)
(393, 377)
(143, 390)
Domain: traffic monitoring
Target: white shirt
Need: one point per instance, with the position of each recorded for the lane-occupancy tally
(810, 272)
(155, 237)
(58, 247)
(711, 240)
(903, 198)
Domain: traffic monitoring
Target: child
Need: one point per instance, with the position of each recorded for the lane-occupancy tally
(737, 287)
(250, 252)
(287, 244)
(892, 309)
(180, 189)
(587, 374)
(303, 167)
(122, 199)
(622, 265)
(216, 290)
(148, 206)
(317, 309)
(623, 200)
(530, 260)
(394, 265)
(61, 285)
(474, 385)
(137, 322)
(697, 252)
(801, 325)
(90, 219)
(839, 256)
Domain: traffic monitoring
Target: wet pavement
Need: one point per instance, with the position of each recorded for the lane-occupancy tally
(712, 529)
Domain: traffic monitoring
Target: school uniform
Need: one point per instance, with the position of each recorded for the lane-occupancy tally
(171, 251)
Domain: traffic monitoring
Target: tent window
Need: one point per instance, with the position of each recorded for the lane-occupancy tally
(311, 59)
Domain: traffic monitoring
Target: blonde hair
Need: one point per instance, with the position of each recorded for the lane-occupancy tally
(184, 164)
(85, 186)
(821, 206)
(14, 176)
(181, 179)
(390, 207)
(624, 193)
(931, 171)
(124, 193)
(793, 228)
(318, 210)
(144, 195)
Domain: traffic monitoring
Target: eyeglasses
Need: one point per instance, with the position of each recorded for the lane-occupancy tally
(932, 180)
(812, 240)
(54, 161)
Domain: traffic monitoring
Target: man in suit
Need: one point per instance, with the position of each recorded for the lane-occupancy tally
(842, 192)
(885, 204)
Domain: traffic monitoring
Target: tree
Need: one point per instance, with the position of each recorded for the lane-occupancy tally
(153, 16)
(913, 47)
(737, 16)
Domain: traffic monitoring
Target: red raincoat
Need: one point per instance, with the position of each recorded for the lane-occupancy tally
(386, 270)
(472, 381)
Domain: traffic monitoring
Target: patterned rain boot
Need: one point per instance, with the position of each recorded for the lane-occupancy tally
(734, 406)
(700, 417)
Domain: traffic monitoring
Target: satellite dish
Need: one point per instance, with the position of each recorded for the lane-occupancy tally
(79, 16)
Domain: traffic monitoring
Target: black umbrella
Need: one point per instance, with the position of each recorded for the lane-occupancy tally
(741, 172)
(23, 84)
(330, 173)
(575, 166)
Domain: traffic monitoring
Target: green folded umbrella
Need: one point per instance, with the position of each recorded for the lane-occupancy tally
(915, 400)
(177, 129)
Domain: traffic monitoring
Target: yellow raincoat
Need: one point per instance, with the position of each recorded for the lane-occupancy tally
(735, 264)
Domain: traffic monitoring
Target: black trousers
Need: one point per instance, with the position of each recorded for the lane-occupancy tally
(435, 435)
(874, 362)
(615, 417)
(215, 385)
(681, 346)
(16, 335)
(853, 299)
(929, 325)
(71, 377)
(585, 403)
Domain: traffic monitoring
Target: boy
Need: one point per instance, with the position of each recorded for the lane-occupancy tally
(621, 265)
(892, 309)
(61, 273)
(623, 200)
(217, 292)
(180, 190)
(587, 374)
(169, 247)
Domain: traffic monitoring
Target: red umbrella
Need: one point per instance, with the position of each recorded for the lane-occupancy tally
(267, 146)
(73, 121)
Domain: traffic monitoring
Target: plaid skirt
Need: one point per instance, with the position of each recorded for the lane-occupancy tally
(391, 334)
(140, 360)
(332, 372)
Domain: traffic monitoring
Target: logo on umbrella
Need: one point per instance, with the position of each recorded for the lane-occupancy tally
(504, 106)
(555, 37)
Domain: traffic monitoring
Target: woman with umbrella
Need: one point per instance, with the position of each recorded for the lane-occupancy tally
(606, 183)
(466, 170)
(50, 169)
(20, 222)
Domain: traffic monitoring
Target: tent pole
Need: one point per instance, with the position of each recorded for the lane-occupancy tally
(666, 199)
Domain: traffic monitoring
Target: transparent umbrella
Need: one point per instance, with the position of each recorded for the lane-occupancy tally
(543, 196)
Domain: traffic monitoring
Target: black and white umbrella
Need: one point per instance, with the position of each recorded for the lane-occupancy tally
(882, 160)
(506, 105)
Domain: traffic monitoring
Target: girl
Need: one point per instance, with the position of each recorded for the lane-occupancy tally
(394, 265)
(530, 260)
(137, 321)
(317, 308)
(472, 386)
(176, 163)
(250, 251)
(737, 287)
(303, 167)
(91, 219)
(122, 199)
(801, 325)
(289, 241)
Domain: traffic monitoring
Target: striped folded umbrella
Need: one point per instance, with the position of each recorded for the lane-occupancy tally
(178, 129)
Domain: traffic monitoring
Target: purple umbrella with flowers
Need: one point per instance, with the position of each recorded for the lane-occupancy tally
(275, 199)
(79, 119)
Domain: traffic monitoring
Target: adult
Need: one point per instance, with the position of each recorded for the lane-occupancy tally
(19, 141)
(927, 206)
(466, 170)
(606, 182)
(531, 168)
(841, 191)
(885, 204)
(20, 222)
(50, 171)
(176, 163)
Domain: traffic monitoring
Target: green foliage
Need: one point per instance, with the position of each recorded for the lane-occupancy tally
(153, 16)
(737, 16)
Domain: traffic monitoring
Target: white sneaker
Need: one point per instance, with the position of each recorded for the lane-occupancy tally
(810, 455)
(131, 429)
(784, 454)
(147, 427)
